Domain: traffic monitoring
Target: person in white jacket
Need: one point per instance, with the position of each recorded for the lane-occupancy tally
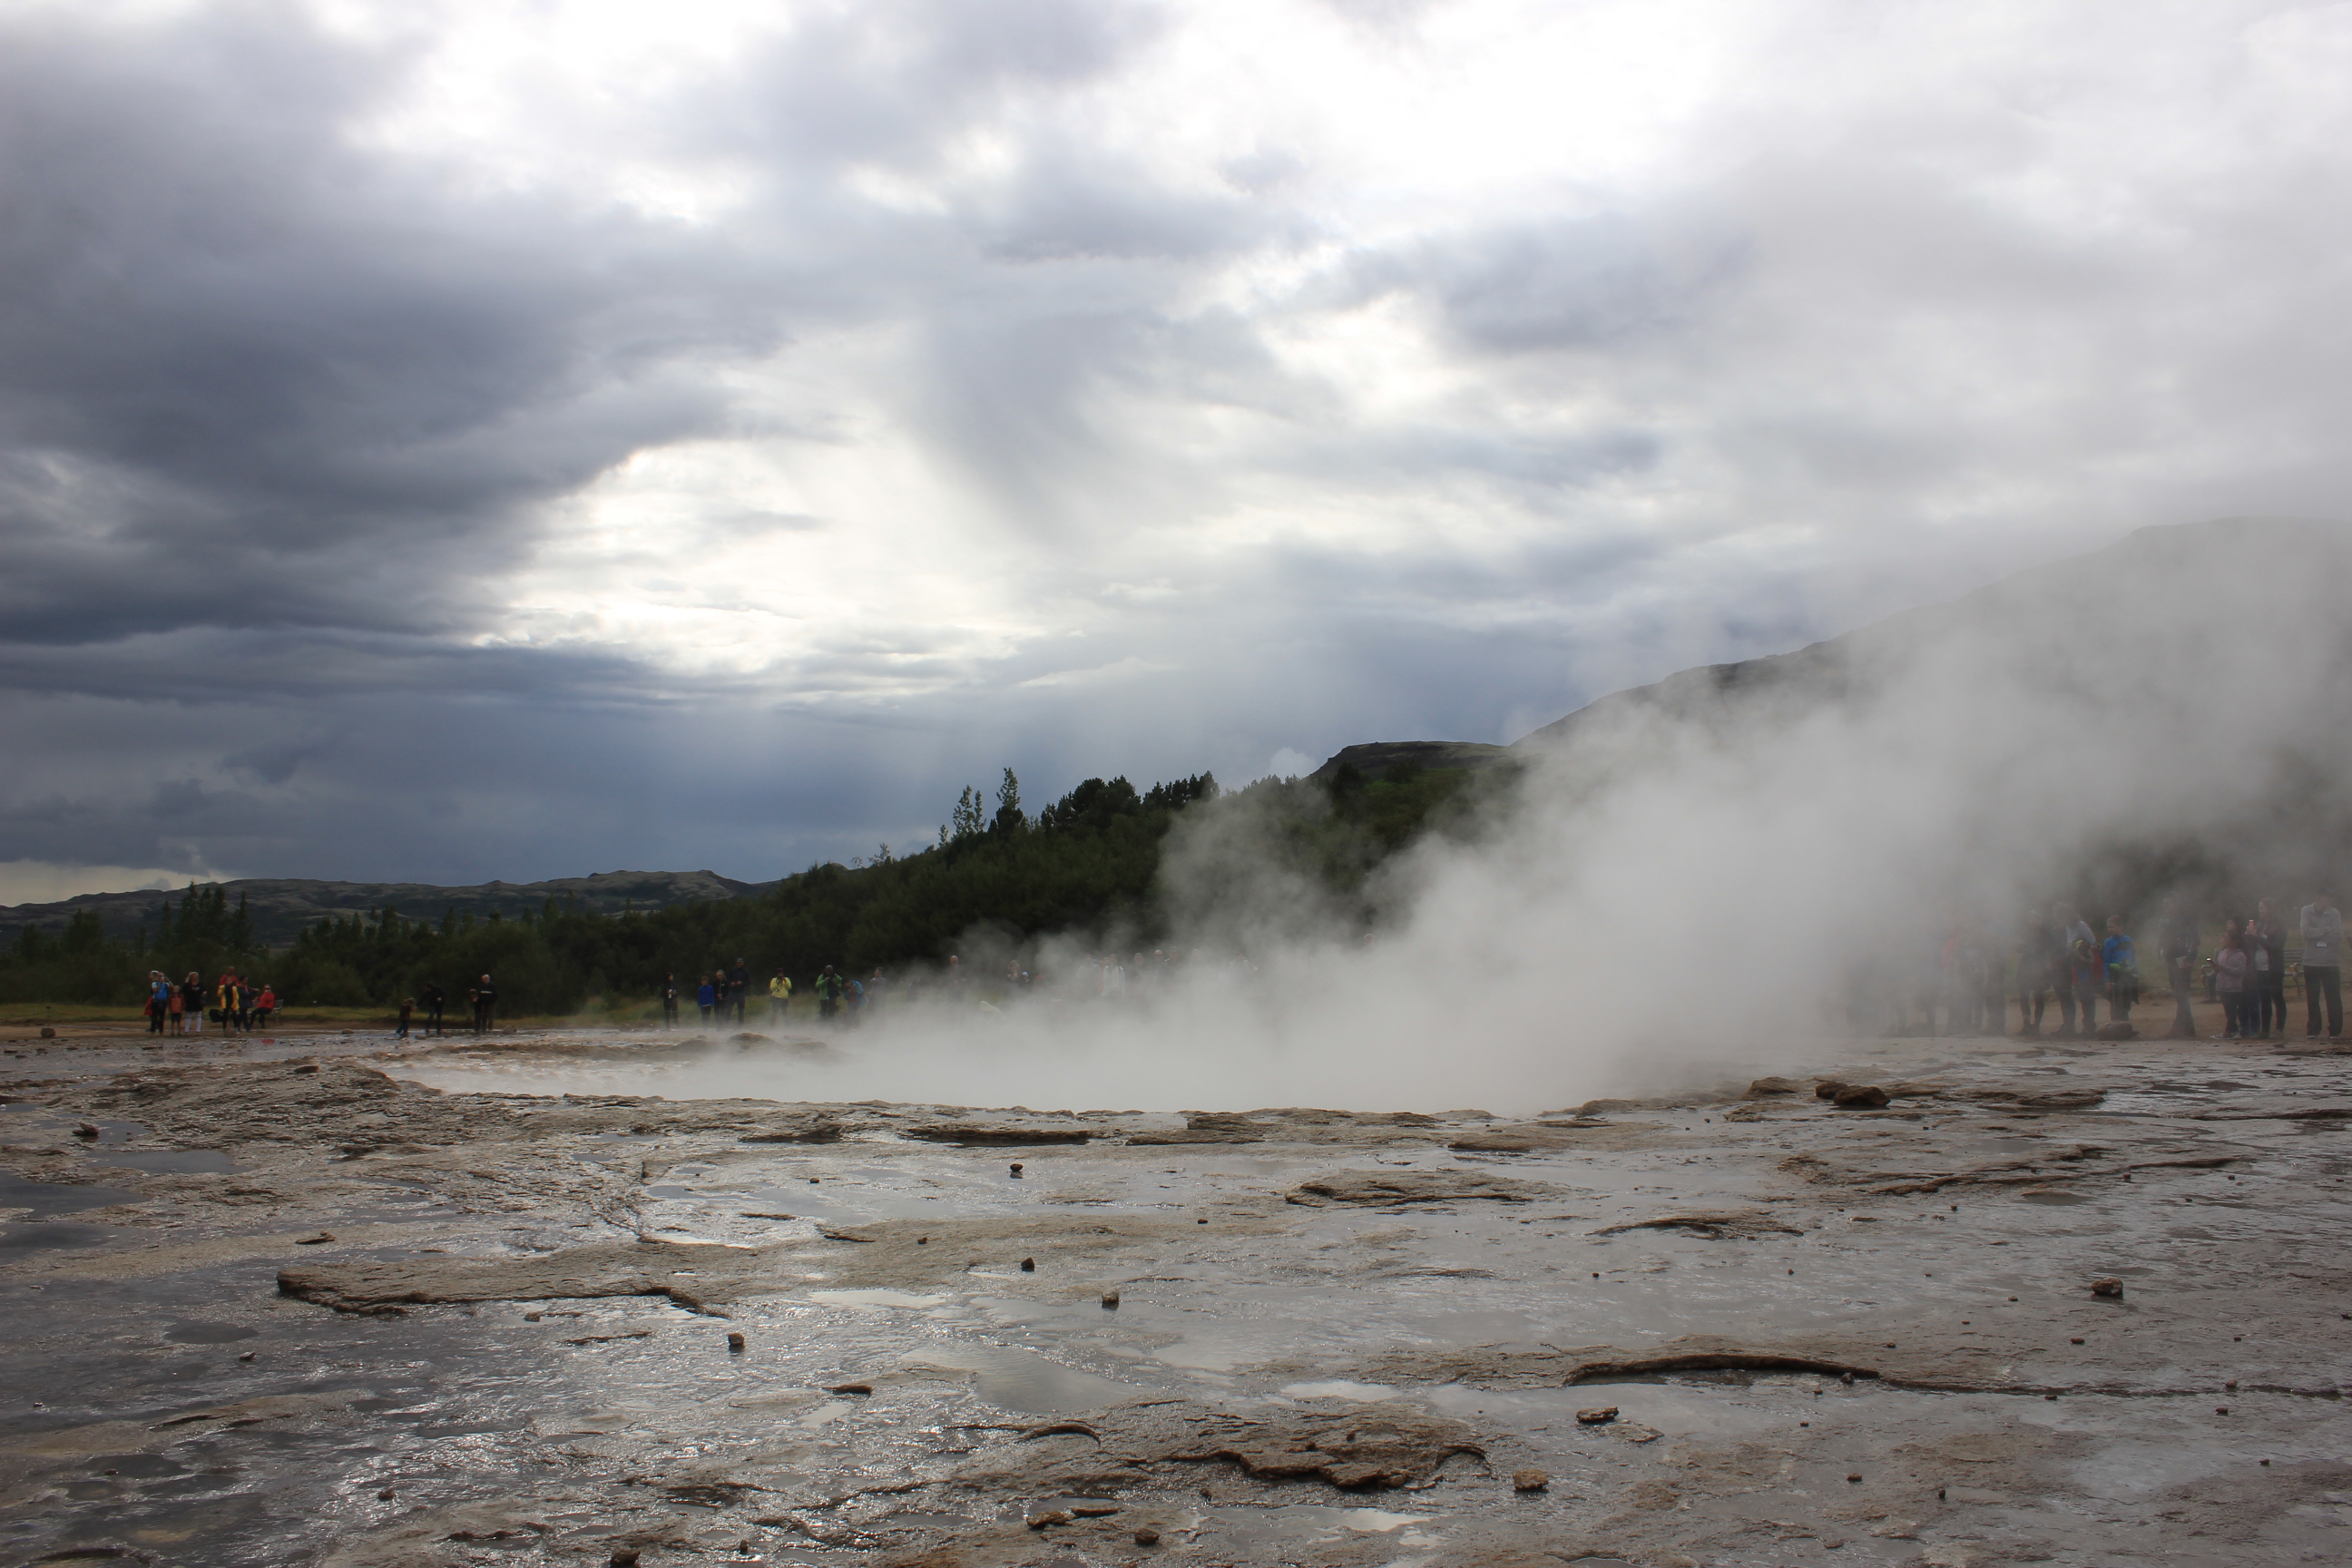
(2323, 964)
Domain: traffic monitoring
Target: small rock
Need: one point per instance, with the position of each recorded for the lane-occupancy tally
(922, 1241)
(2221, 1410)
(1828, 1087)
(2111, 1288)
(1200, 1222)
(307, 1066)
(247, 1355)
(48, 1033)
(532, 1317)
(1529, 1481)
(2074, 1341)
(1094, 1510)
(314, 1241)
(1769, 1086)
(850, 1388)
(1598, 1415)
(1050, 1517)
(1859, 1097)
(735, 1344)
(1853, 1477)
(624, 1557)
(1016, 1167)
(1110, 1300)
(1147, 1536)
(84, 1130)
(1633, 1433)
(1028, 1266)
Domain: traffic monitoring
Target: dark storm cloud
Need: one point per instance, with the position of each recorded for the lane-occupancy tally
(310, 385)
(251, 375)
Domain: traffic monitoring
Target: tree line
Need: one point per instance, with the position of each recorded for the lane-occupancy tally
(1089, 864)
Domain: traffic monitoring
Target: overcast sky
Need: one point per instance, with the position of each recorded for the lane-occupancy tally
(448, 442)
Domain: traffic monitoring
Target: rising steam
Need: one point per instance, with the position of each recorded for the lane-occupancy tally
(1686, 880)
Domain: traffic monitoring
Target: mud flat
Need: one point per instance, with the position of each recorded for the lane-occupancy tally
(2050, 1302)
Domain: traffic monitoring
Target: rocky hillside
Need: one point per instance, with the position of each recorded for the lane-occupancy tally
(280, 907)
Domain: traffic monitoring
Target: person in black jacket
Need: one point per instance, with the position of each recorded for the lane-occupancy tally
(2039, 948)
(435, 1000)
(2267, 935)
(737, 984)
(486, 1005)
(2178, 940)
(669, 1001)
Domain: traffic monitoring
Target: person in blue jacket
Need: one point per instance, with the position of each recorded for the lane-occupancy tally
(2122, 968)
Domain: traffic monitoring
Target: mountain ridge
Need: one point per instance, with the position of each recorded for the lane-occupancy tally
(281, 906)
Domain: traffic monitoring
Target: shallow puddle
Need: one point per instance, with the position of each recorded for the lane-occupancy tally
(1338, 1388)
(40, 1237)
(41, 1200)
(208, 1333)
(1019, 1381)
(1271, 1529)
(874, 1298)
(169, 1162)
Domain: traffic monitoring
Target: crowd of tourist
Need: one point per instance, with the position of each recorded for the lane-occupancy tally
(2055, 966)
(179, 1008)
(2059, 970)
(722, 996)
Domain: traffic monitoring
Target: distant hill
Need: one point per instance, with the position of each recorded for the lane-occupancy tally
(2157, 585)
(1375, 759)
(2230, 641)
(280, 907)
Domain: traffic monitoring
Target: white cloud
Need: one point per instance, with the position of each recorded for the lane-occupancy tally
(1305, 378)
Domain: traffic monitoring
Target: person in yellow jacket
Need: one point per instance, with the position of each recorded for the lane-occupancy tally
(230, 1000)
(780, 996)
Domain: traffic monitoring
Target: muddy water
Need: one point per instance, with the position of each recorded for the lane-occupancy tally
(1887, 1345)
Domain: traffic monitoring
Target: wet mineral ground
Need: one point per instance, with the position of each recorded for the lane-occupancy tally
(290, 1302)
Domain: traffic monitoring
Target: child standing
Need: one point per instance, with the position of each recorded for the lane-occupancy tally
(407, 1011)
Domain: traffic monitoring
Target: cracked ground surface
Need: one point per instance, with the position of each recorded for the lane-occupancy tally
(292, 1303)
